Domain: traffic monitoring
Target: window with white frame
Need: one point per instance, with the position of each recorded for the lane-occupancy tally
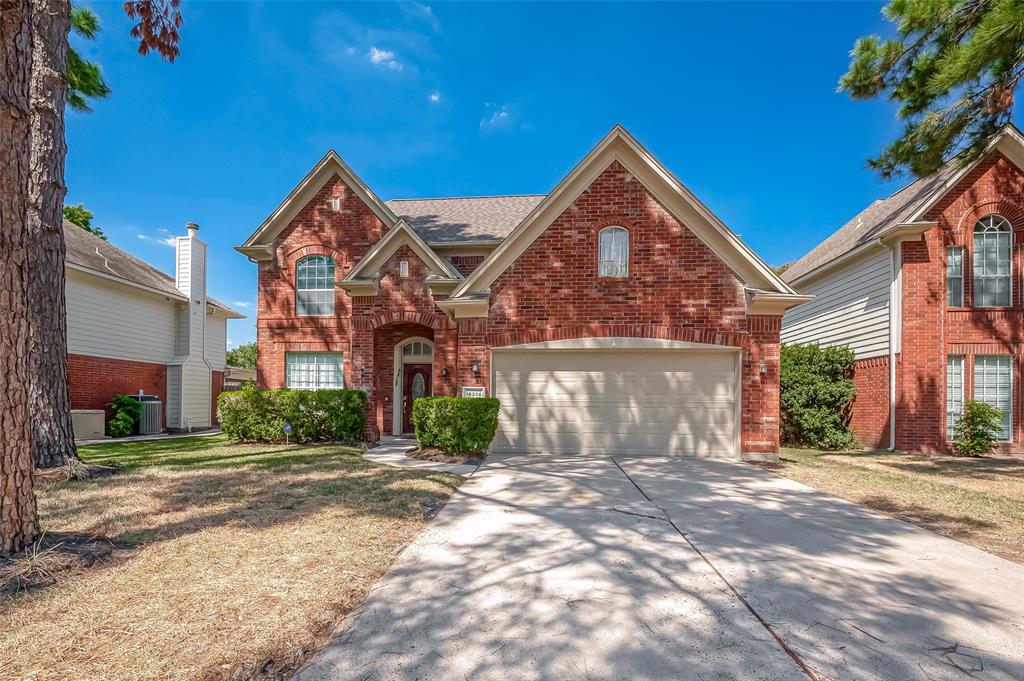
(955, 276)
(613, 257)
(314, 370)
(992, 262)
(417, 349)
(993, 385)
(954, 394)
(314, 286)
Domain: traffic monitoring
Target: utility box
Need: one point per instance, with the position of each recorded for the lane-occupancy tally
(87, 424)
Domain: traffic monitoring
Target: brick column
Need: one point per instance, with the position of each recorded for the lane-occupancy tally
(760, 409)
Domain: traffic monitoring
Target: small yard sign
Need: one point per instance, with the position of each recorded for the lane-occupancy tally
(287, 431)
(474, 391)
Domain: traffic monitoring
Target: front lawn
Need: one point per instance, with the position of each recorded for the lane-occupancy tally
(977, 501)
(229, 559)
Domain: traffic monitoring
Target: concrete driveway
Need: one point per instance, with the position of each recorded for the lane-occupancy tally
(635, 569)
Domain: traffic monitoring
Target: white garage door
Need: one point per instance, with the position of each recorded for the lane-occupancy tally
(602, 401)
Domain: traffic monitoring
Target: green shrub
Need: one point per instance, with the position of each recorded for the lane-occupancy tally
(252, 415)
(457, 425)
(816, 392)
(125, 419)
(979, 430)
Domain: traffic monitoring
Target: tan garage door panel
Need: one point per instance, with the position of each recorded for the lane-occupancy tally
(617, 401)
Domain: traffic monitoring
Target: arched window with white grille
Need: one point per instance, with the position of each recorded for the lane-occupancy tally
(314, 286)
(992, 262)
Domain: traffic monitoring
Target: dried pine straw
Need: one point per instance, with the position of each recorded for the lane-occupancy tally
(242, 559)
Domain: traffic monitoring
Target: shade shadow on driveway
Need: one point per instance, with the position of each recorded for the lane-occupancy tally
(658, 568)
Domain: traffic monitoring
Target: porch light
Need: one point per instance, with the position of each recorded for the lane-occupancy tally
(444, 372)
(474, 367)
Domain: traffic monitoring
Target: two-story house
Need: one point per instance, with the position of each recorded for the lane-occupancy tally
(614, 314)
(926, 287)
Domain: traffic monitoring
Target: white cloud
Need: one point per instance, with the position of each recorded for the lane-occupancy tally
(385, 58)
(421, 12)
(435, 97)
(164, 239)
(229, 341)
(496, 117)
(241, 303)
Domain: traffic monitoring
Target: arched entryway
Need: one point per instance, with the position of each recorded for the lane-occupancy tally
(413, 378)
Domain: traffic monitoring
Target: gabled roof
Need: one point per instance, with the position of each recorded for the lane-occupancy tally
(908, 206)
(89, 253)
(399, 235)
(259, 242)
(470, 219)
(619, 145)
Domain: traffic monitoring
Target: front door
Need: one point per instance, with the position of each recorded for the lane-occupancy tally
(416, 383)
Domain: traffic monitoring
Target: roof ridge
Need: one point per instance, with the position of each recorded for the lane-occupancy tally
(460, 198)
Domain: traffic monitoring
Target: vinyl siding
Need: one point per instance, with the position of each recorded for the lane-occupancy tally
(174, 397)
(107, 319)
(216, 341)
(851, 307)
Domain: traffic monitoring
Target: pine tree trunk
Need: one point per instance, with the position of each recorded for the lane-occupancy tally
(53, 442)
(18, 522)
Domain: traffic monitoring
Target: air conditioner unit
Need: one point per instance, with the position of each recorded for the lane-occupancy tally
(151, 419)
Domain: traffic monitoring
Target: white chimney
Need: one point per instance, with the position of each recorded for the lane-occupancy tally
(190, 274)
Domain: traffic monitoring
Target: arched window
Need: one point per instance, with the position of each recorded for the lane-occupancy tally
(992, 262)
(613, 252)
(314, 286)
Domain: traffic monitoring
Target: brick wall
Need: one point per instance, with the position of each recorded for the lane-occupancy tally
(93, 381)
(931, 332)
(869, 414)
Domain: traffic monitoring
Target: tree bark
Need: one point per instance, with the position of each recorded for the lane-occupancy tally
(53, 442)
(18, 521)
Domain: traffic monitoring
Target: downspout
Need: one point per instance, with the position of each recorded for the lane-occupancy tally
(895, 308)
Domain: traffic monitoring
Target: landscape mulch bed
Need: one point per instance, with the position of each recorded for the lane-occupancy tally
(441, 456)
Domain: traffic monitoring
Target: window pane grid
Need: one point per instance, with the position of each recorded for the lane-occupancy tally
(992, 262)
(955, 276)
(954, 393)
(314, 370)
(314, 284)
(613, 256)
(992, 385)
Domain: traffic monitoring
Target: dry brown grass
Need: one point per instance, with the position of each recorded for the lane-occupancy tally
(240, 558)
(976, 501)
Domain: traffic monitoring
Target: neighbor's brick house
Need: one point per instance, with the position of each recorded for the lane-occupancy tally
(926, 287)
(615, 312)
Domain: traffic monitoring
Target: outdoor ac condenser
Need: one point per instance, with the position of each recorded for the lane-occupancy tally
(150, 422)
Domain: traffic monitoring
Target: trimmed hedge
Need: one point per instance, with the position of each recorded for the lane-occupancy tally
(816, 392)
(457, 425)
(251, 415)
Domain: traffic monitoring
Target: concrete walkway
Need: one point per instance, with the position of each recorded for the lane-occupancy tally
(653, 569)
(147, 438)
(392, 452)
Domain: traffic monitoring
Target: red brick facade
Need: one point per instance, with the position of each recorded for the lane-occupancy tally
(93, 381)
(931, 331)
(677, 289)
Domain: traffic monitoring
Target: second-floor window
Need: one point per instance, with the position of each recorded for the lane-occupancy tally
(613, 256)
(314, 286)
(955, 276)
(992, 262)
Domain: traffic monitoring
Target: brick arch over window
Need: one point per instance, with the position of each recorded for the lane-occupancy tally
(962, 234)
(437, 322)
(291, 259)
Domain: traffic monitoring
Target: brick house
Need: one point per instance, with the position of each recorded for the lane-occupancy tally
(616, 313)
(132, 327)
(926, 287)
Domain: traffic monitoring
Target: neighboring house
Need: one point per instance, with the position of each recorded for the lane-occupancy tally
(926, 287)
(614, 314)
(131, 327)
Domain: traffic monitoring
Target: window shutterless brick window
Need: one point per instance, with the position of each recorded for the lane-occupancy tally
(613, 252)
(955, 276)
(993, 385)
(314, 286)
(313, 370)
(954, 393)
(992, 262)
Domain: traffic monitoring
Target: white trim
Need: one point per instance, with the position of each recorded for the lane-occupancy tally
(257, 246)
(974, 389)
(332, 288)
(398, 383)
(616, 343)
(974, 288)
(399, 235)
(619, 145)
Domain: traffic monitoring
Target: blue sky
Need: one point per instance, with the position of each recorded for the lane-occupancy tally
(738, 100)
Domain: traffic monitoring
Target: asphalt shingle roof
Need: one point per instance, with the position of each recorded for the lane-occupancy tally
(476, 218)
(88, 250)
(872, 221)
